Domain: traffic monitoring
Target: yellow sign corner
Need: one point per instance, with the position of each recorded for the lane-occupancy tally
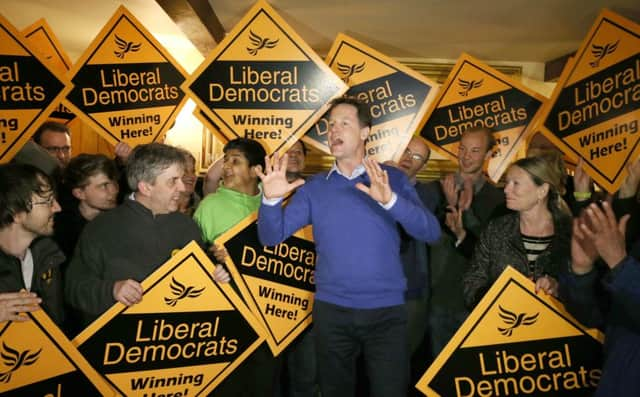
(39, 360)
(31, 89)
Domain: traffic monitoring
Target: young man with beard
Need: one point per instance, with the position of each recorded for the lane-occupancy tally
(415, 258)
(29, 260)
(355, 209)
(121, 247)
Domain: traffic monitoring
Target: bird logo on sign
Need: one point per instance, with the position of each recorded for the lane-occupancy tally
(514, 320)
(258, 43)
(125, 47)
(601, 51)
(468, 85)
(349, 70)
(15, 359)
(181, 291)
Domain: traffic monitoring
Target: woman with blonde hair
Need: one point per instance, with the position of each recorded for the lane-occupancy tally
(534, 237)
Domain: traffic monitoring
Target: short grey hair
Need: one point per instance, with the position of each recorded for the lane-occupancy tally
(146, 162)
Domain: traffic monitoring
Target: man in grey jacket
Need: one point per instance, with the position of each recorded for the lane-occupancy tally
(121, 247)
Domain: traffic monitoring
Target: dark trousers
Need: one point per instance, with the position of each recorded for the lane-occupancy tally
(254, 377)
(379, 334)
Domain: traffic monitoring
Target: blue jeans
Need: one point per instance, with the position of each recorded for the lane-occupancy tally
(379, 334)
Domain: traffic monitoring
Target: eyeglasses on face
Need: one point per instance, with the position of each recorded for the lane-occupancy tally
(58, 149)
(414, 156)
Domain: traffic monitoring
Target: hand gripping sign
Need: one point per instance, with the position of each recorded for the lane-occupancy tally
(595, 108)
(29, 90)
(278, 283)
(476, 95)
(515, 343)
(185, 337)
(397, 97)
(36, 359)
(263, 82)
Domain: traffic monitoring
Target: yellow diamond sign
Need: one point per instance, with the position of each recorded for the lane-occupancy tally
(29, 90)
(126, 85)
(186, 335)
(397, 97)
(516, 343)
(476, 95)
(595, 108)
(264, 82)
(278, 283)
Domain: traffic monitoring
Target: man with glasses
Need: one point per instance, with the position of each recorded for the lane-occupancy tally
(29, 260)
(55, 139)
(414, 254)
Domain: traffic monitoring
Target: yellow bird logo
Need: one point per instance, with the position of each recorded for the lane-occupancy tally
(468, 85)
(349, 70)
(515, 320)
(258, 43)
(15, 359)
(601, 51)
(125, 47)
(181, 291)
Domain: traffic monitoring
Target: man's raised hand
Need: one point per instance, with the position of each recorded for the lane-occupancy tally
(274, 178)
(379, 189)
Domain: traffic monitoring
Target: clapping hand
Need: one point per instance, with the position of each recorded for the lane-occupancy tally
(606, 233)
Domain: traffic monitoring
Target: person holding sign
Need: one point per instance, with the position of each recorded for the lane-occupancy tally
(29, 260)
(534, 238)
(354, 209)
(120, 248)
(611, 300)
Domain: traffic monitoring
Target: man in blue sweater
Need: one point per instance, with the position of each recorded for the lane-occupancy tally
(355, 209)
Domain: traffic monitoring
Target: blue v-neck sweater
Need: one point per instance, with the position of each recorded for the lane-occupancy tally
(357, 240)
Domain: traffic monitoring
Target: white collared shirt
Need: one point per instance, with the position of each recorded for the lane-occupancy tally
(26, 264)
